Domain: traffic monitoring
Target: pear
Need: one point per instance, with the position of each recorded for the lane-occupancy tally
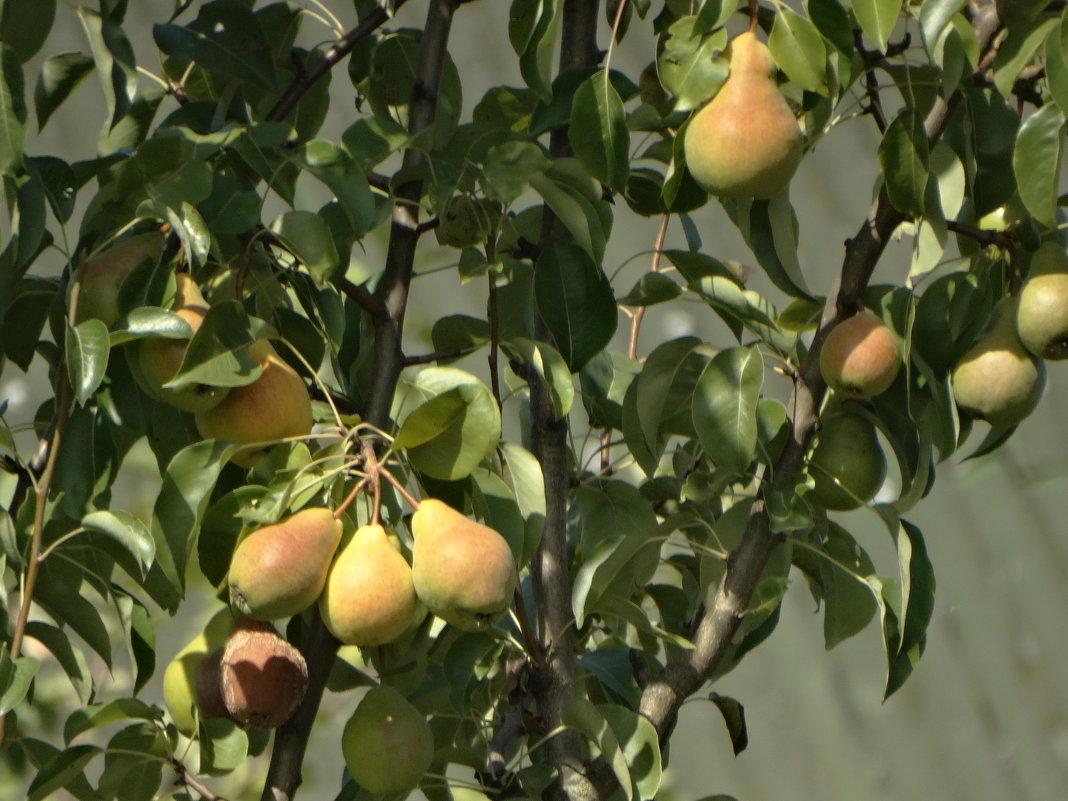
(860, 356)
(467, 221)
(387, 743)
(847, 463)
(158, 358)
(463, 571)
(274, 406)
(1042, 305)
(745, 142)
(102, 275)
(262, 678)
(998, 379)
(369, 598)
(181, 679)
(279, 570)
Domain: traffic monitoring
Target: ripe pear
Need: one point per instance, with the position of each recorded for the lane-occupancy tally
(1042, 305)
(262, 677)
(463, 571)
(998, 380)
(847, 463)
(102, 275)
(181, 691)
(387, 743)
(369, 598)
(279, 570)
(860, 356)
(745, 142)
(274, 406)
(158, 358)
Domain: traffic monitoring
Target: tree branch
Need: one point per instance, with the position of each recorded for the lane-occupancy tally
(319, 645)
(687, 671)
(338, 50)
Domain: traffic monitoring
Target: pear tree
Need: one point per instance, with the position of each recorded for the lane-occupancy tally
(371, 297)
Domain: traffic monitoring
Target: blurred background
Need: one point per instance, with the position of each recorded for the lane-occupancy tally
(985, 714)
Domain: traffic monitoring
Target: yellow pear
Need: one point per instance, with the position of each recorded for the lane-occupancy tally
(274, 406)
(860, 356)
(279, 570)
(102, 275)
(387, 743)
(158, 358)
(998, 380)
(181, 693)
(369, 598)
(745, 142)
(1042, 305)
(463, 571)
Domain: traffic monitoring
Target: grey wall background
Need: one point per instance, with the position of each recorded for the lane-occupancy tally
(984, 717)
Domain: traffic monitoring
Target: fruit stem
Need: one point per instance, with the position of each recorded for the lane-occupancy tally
(397, 485)
(753, 15)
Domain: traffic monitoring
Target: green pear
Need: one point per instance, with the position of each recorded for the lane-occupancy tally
(467, 221)
(279, 570)
(847, 464)
(274, 406)
(745, 142)
(1042, 305)
(998, 379)
(463, 571)
(860, 356)
(262, 677)
(181, 692)
(369, 598)
(387, 743)
(158, 358)
(102, 274)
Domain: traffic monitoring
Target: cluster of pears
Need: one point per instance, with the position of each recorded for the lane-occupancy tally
(1001, 377)
(242, 671)
(746, 141)
(274, 406)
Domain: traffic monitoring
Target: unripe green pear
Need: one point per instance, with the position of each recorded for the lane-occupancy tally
(745, 142)
(279, 570)
(860, 356)
(102, 275)
(262, 677)
(369, 598)
(463, 571)
(387, 743)
(158, 358)
(998, 380)
(274, 406)
(181, 693)
(1042, 305)
(467, 221)
(847, 463)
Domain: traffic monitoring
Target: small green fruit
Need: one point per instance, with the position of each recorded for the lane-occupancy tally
(860, 356)
(387, 743)
(847, 463)
(1042, 305)
(467, 221)
(279, 570)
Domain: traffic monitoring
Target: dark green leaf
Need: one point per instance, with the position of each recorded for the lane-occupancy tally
(94, 715)
(550, 366)
(87, 348)
(903, 157)
(15, 678)
(598, 131)
(307, 236)
(532, 31)
(734, 716)
(67, 655)
(127, 531)
(25, 26)
(1036, 162)
(652, 288)
(60, 770)
(725, 407)
(60, 75)
(12, 111)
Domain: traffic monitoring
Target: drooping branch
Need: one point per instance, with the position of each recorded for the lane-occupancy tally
(687, 671)
(390, 300)
(337, 51)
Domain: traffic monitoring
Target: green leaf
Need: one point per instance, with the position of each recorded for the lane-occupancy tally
(576, 210)
(1036, 162)
(689, 65)
(877, 19)
(338, 171)
(127, 531)
(94, 715)
(903, 157)
(64, 598)
(25, 26)
(598, 131)
(307, 236)
(114, 60)
(58, 772)
(71, 659)
(575, 299)
(218, 353)
(581, 715)
(798, 50)
(734, 716)
(15, 678)
(87, 346)
(652, 288)
(187, 484)
(12, 111)
(769, 227)
(532, 31)
(725, 407)
(60, 75)
(227, 38)
(223, 744)
(641, 748)
(454, 429)
(550, 367)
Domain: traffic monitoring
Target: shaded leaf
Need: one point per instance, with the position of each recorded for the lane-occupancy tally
(725, 407)
(87, 346)
(598, 131)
